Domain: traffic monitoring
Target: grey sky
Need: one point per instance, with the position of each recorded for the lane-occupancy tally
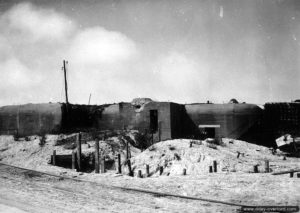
(182, 51)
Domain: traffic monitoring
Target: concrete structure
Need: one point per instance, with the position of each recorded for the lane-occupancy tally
(160, 120)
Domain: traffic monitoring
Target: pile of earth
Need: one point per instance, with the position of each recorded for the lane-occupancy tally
(35, 151)
(231, 156)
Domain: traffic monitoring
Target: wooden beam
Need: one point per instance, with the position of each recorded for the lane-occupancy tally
(286, 172)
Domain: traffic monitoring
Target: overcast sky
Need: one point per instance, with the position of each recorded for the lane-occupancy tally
(181, 51)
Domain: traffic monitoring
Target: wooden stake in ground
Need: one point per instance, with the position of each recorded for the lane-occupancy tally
(291, 174)
(119, 164)
(102, 165)
(215, 165)
(161, 170)
(130, 173)
(184, 172)
(127, 150)
(140, 173)
(97, 155)
(79, 151)
(210, 169)
(255, 169)
(73, 159)
(54, 158)
(267, 166)
(147, 170)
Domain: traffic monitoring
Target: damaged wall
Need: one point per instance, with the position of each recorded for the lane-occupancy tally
(138, 117)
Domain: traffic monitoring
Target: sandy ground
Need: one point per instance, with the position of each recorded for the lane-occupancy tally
(234, 181)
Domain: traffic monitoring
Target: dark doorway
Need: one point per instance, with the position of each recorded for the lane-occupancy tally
(153, 121)
(211, 133)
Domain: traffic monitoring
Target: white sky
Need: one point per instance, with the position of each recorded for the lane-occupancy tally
(181, 51)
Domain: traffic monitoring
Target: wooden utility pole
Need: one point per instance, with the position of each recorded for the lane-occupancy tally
(66, 84)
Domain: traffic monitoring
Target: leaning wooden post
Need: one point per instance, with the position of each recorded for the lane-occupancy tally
(267, 166)
(73, 159)
(147, 170)
(215, 166)
(54, 158)
(79, 151)
(119, 164)
(97, 155)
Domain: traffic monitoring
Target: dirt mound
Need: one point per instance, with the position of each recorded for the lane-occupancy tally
(176, 155)
(31, 153)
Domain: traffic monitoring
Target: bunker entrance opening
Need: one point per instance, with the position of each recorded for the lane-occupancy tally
(153, 121)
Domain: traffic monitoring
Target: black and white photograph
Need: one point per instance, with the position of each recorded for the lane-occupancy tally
(149, 106)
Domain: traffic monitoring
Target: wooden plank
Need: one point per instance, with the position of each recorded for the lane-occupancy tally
(286, 172)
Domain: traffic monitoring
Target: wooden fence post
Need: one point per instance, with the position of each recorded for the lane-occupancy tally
(267, 166)
(255, 169)
(129, 168)
(97, 155)
(54, 158)
(79, 151)
(184, 171)
(140, 173)
(73, 159)
(119, 164)
(127, 150)
(215, 165)
(161, 170)
(102, 165)
(210, 169)
(147, 170)
(291, 174)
